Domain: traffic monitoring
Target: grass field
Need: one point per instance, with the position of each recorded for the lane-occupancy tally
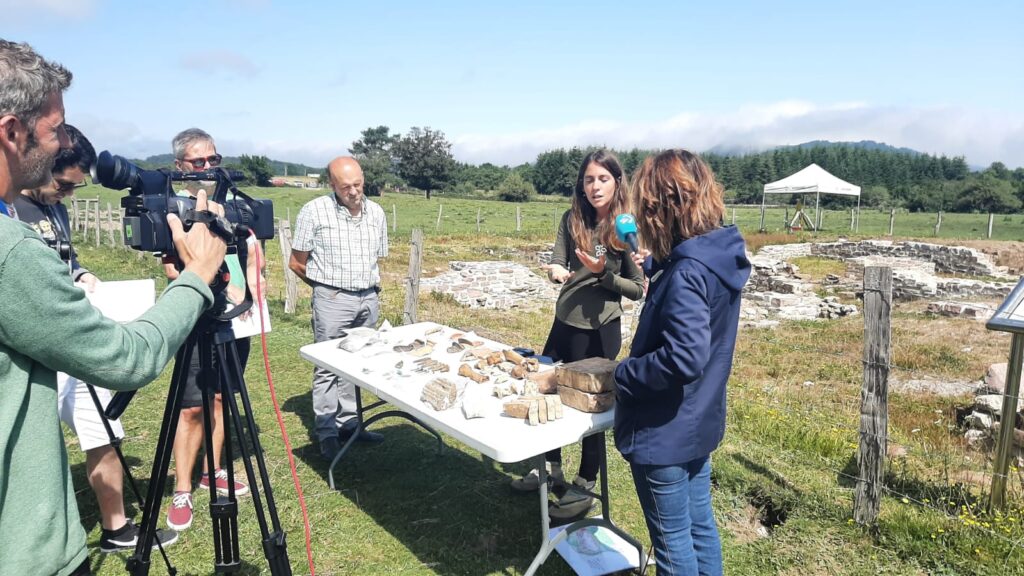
(786, 463)
(540, 218)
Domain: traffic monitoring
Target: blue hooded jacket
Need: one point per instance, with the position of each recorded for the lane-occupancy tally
(671, 390)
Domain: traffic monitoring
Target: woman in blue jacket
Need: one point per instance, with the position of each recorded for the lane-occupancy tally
(670, 412)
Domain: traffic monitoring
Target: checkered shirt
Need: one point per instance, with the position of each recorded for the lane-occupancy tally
(343, 250)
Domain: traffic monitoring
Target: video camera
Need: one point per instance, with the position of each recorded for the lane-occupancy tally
(151, 198)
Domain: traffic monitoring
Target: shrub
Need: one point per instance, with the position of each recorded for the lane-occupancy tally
(516, 189)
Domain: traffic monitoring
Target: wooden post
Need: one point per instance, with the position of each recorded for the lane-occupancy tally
(110, 225)
(874, 395)
(120, 228)
(85, 221)
(97, 220)
(519, 220)
(938, 222)
(74, 214)
(991, 216)
(412, 281)
(762, 218)
(291, 281)
(394, 219)
(892, 219)
(440, 207)
(852, 213)
(477, 219)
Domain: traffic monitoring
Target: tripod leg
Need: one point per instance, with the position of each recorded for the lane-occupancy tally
(115, 443)
(223, 509)
(274, 544)
(138, 564)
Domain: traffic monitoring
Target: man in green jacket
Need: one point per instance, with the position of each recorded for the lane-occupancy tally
(47, 325)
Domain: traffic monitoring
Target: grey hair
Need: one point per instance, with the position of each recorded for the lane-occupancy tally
(27, 80)
(186, 138)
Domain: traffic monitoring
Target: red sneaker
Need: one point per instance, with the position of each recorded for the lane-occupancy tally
(222, 483)
(179, 515)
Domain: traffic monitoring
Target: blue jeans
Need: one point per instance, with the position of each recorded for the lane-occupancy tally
(676, 501)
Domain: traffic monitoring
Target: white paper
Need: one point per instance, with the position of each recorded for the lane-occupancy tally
(122, 301)
(596, 550)
(250, 326)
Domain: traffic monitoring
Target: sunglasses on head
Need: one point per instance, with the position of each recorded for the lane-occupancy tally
(201, 163)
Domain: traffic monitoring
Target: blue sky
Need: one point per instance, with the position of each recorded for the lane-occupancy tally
(298, 80)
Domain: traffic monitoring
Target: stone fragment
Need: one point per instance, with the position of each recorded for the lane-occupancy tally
(586, 401)
(533, 416)
(547, 381)
(592, 375)
(440, 393)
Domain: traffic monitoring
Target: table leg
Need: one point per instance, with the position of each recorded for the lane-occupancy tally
(548, 544)
(362, 424)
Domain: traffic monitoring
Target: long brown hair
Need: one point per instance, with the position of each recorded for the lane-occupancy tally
(583, 224)
(676, 197)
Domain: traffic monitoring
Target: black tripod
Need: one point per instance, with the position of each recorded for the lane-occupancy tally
(220, 371)
(115, 443)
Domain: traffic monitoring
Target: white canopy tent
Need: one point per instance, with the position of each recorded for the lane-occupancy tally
(811, 180)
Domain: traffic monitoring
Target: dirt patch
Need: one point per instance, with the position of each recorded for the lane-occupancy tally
(745, 526)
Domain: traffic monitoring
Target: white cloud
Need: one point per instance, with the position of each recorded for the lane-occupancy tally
(981, 136)
(69, 9)
(214, 62)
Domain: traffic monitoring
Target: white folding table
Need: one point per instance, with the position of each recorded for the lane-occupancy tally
(501, 438)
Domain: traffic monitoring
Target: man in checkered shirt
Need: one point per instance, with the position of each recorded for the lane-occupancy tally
(338, 240)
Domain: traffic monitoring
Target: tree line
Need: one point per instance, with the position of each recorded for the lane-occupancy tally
(889, 177)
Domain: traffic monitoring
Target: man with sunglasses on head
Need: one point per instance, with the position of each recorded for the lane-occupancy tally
(41, 208)
(195, 151)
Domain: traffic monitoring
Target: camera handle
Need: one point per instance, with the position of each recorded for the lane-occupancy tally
(214, 338)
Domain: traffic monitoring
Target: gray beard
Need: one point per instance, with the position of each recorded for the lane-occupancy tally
(35, 167)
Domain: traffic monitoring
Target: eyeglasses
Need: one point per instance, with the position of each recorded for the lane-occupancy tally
(200, 163)
(65, 187)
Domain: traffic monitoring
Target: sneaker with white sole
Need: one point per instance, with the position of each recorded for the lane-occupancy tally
(127, 536)
(179, 514)
(222, 483)
(531, 482)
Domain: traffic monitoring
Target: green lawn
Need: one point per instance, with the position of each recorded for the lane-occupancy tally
(787, 456)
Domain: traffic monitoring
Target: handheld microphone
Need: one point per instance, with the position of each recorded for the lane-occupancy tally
(625, 229)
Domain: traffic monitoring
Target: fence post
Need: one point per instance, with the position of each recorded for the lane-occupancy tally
(477, 219)
(762, 218)
(97, 219)
(110, 225)
(74, 214)
(519, 220)
(85, 221)
(291, 281)
(991, 216)
(412, 282)
(938, 222)
(851, 217)
(394, 219)
(440, 207)
(874, 395)
(892, 219)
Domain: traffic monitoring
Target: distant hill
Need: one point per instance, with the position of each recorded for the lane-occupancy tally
(278, 166)
(865, 144)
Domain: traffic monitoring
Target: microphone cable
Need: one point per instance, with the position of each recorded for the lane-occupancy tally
(277, 409)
